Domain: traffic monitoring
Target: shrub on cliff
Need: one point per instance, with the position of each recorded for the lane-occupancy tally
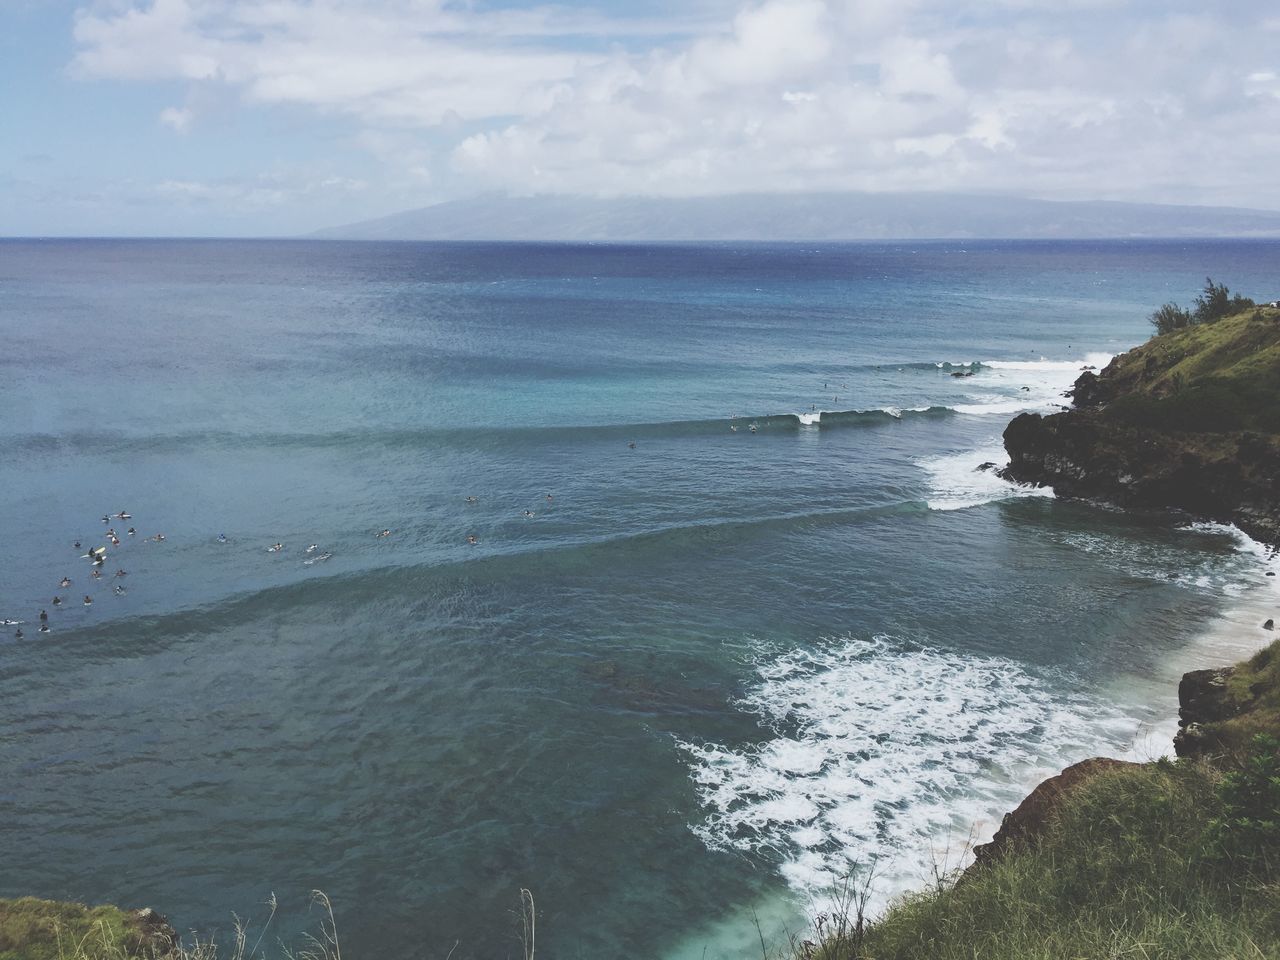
(1248, 828)
(1214, 303)
(1170, 317)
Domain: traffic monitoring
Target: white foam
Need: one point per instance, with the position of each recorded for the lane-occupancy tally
(1004, 387)
(955, 482)
(1224, 574)
(1098, 360)
(877, 752)
(810, 419)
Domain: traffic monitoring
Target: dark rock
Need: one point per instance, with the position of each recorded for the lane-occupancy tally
(1203, 698)
(989, 465)
(1269, 625)
(1029, 820)
(1089, 391)
(962, 373)
(1083, 453)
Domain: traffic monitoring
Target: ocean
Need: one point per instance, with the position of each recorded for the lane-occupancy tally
(692, 603)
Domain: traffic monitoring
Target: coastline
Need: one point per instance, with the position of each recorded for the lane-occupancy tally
(1233, 634)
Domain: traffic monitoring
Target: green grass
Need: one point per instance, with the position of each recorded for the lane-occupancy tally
(1254, 690)
(1129, 868)
(1212, 378)
(32, 929)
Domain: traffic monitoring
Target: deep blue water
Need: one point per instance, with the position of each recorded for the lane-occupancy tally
(709, 674)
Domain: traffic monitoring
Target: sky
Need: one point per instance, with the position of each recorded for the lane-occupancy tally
(277, 117)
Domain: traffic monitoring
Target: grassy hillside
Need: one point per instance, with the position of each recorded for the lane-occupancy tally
(1212, 378)
(32, 929)
(1162, 861)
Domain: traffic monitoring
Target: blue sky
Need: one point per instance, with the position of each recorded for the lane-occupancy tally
(274, 117)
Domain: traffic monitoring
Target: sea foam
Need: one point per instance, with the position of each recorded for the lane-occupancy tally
(956, 480)
(881, 752)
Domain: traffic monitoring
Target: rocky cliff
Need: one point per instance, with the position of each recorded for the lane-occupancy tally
(1188, 421)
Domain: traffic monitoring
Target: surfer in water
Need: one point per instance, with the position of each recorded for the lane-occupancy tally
(528, 514)
(65, 582)
(132, 531)
(57, 601)
(222, 538)
(120, 591)
(631, 444)
(383, 533)
(472, 539)
(122, 573)
(44, 617)
(44, 628)
(275, 548)
(313, 548)
(18, 634)
(88, 600)
(472, 500)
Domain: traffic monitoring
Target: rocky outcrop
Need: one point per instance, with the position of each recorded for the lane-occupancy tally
(1203, 698)
(1231, 478)
(1189, 420)
(155, 938)
(1029, 820)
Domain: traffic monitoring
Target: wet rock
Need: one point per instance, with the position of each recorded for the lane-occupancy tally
(1082, 453)
(1203, 698)
(1269, 625)
(989, 465)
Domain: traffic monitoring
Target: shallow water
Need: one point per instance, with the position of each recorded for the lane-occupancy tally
(711, 673)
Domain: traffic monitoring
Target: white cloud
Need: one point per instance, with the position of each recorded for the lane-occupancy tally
(1102, 98)
(179, 118)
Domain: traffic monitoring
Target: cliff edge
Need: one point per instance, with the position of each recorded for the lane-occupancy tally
(1190, 421)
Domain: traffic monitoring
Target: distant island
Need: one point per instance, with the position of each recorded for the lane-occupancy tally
(802, 216)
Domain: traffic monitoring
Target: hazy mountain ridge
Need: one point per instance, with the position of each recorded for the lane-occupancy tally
(812, 216)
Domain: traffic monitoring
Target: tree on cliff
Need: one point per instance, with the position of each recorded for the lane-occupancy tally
(1170, 317)
(1214, 303)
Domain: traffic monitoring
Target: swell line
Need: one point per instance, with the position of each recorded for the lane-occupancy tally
(471, 437)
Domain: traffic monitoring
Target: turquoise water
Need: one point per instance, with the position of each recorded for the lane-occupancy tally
(712, 672)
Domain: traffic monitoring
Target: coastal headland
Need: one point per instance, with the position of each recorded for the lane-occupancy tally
(1187, 421)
